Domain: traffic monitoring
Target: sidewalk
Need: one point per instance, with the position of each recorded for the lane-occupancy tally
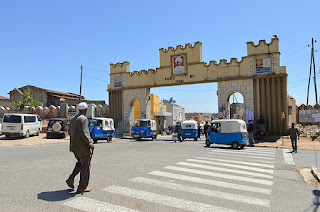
(276, 142)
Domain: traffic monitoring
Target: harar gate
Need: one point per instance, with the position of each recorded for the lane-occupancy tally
(258, 77)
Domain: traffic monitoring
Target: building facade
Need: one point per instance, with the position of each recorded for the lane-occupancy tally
(178, 112)
(195, 116)
(47, 97)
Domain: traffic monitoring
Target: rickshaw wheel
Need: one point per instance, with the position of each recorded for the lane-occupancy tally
(208, 143)
(195, 139)
(95, 141)
(235, 145)
(109, 139)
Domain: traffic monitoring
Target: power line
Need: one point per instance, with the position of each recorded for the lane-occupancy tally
(183, 90)
(96, 78)
(94, 69)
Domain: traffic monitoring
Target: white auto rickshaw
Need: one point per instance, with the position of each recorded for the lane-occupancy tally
(228, 131)
(101, 128)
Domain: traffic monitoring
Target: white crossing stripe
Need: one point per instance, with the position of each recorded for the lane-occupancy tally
(225, 176)
(271, 155)
(205, 192)
(246, 156)
(232, 165)
(235, 171)
(262, 163)
(87, 204)
(254, 149)
(164, 200)
(288, 159)
(211, 182)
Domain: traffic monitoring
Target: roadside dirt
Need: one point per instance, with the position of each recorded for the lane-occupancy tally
(308, 176)
(32, 140)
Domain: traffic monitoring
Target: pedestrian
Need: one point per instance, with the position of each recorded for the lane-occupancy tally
(199, 131)
(178, 130)
(80, 145)
(294, 132)
(205, 128)
(250, 132)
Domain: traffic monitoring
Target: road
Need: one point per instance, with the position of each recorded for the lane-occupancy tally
(161, 175)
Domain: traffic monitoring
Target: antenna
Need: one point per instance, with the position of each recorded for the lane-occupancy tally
(312, 65)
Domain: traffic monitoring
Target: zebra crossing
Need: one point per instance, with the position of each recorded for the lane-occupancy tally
(220, 180)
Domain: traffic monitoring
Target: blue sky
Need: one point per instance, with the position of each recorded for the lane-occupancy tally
(43, 43)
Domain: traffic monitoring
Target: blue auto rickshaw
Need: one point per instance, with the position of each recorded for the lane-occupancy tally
(144, 128)
(228, 131)
(101, 128)
(189, 129)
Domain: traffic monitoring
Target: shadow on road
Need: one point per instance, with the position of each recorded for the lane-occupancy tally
(316, 201)
(60, 195)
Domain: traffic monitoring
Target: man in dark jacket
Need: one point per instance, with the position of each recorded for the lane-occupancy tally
(80, 145)
(294, 133)
(206, 127)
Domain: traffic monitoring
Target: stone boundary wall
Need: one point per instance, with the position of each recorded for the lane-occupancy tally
(53, 111)
(308, 114)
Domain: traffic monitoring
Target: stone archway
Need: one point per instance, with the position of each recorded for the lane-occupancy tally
(129, 98)
(259, 77)
(236, 106)
(245, 87)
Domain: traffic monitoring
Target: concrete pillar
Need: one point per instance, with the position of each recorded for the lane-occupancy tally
(279, 102)
(268, 105)
(273, 106)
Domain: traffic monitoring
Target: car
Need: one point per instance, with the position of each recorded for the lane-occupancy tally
(57, 127)
(21, 124)
(0, 126)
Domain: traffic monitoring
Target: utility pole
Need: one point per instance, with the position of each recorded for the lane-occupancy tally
(312, 65)
(80, 84)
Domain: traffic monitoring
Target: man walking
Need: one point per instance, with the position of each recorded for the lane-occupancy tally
(206, 127)
(80, 145)
(294, 132)
(250, 132)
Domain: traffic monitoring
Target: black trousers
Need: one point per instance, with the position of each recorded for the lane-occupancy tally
(82, 167)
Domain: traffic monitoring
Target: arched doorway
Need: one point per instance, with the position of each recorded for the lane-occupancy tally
(135, 111)
(236, 106)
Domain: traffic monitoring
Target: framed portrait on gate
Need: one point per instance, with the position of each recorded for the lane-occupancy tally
(179, 64)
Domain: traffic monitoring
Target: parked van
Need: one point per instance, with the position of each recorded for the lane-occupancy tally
(21, 124)
(228, 131)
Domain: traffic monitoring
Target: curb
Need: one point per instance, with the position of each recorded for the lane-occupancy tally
(315, 173)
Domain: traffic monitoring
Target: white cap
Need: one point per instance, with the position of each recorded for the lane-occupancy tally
(83, 105)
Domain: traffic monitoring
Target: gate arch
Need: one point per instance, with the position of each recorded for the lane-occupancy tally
(258, 76)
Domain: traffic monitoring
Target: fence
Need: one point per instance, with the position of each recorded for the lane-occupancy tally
(53, 111)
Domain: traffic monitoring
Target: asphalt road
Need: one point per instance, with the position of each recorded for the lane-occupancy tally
(161, 175)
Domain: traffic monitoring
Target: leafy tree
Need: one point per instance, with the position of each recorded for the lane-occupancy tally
(25, 100)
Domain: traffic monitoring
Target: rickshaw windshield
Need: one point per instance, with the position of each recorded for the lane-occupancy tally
(92, 122)
(142, 124)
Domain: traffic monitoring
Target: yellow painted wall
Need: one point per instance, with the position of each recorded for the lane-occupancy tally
(156, 105)
(136, 109)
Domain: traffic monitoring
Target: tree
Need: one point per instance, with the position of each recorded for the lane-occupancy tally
(25, 100)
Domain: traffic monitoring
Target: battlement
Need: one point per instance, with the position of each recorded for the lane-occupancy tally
(119, 68)
(194, 53)
(263, 47)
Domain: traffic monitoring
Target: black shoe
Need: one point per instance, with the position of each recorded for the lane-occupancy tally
(296, 151)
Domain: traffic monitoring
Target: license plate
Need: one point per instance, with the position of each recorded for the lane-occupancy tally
(11, 128)
(188, 133)
(136, 136)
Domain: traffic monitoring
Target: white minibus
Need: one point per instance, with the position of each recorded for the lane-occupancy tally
(21, 124)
